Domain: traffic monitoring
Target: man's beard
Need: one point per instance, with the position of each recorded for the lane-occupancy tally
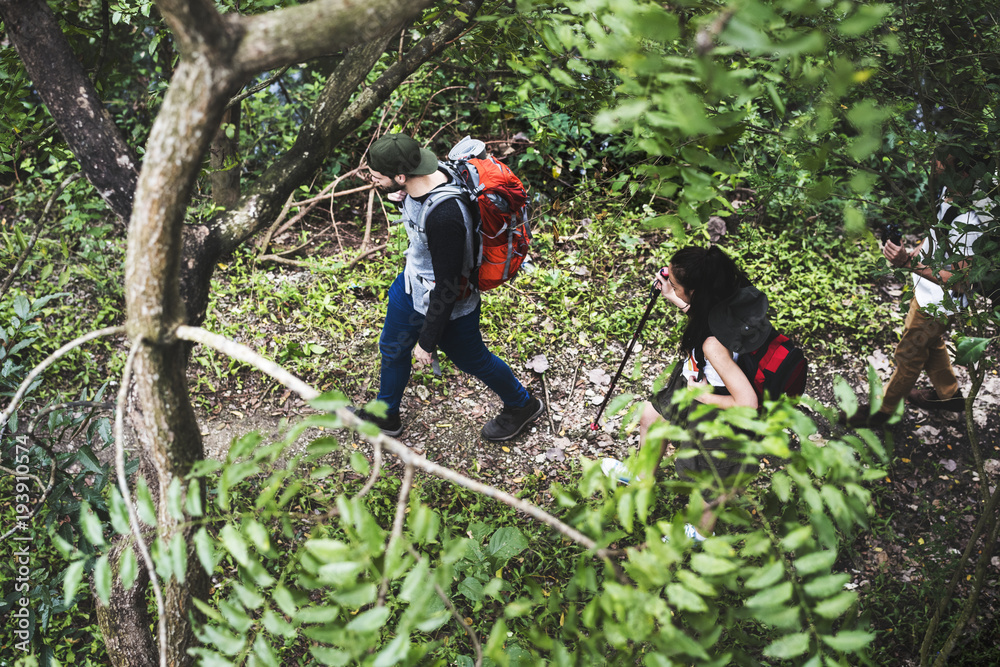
(395, 187)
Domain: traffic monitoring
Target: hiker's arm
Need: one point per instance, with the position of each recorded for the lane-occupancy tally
(899, 257)
(446, 242)
(740, 390)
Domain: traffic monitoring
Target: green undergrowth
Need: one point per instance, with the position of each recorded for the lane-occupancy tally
(586, 294)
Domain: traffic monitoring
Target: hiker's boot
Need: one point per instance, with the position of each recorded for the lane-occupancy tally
(862, 418)
(929, 400)
(512, 421)
(391, 425)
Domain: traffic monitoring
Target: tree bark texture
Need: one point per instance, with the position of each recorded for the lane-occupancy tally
(125, 611)
(107, 160)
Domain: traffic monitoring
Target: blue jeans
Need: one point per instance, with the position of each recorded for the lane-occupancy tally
(462, 342)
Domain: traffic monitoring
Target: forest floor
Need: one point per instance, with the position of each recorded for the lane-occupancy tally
(925, 517)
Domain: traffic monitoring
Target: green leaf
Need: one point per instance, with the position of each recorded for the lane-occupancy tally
(394, 652)
(848, 640)
(21, 306)
(144, 503)
(789, 646)
(506, 543)
(685, 599)
(204, 547)
(262, 653)
(71, 580)
(766, 576)
(258, 535)
(772, 597)
(327, 550)
(227, 642)
(712, 565)
(192, 501)
(970, 351)
(626, 510)
(178, 556)
(102, 579)
(359, 463)
(814, 562)
(235, 544)
(91, 525)
(837, 605)
(243, 446)
(128, 568)
(369, 621)
(174, 503)
(823, 587)
(796, 538)
(846, 398)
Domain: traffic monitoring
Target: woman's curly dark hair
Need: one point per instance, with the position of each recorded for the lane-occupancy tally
(709, 276)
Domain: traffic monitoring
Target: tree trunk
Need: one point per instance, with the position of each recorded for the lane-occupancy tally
(108, 162)
(125, 620)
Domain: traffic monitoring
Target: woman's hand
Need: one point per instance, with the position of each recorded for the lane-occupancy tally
(667, 289)
(692, 383)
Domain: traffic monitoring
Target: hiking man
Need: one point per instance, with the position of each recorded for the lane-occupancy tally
(922, 345)
(431, 304)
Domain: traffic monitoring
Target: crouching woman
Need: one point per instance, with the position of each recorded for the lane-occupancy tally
(726, 316)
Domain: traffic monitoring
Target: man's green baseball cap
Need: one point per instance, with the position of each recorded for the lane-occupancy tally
(399, 154)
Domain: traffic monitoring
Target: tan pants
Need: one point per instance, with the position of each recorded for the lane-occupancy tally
(921, 348)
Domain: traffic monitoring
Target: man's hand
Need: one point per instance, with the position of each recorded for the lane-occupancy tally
(421, 355)
(897, 255)
(397, 196)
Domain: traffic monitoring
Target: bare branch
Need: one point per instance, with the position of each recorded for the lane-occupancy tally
(249, 92)
(48, 361)
(473, 637)
(376, 469)
(405, 454)
(397, 528)
(318, 28)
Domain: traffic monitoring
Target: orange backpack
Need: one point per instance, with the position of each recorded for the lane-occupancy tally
(500, 218)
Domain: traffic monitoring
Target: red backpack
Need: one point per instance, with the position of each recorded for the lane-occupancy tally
(500, 219)
(777, 367)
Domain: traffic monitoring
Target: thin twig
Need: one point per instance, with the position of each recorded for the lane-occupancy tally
(376, 470)
(545, 389)
(270, 233)
(48, 361)
(133, 516)
(397, 529)
(368, 220)
(38, 229)
(256, 89)
(246, 355)
(372, 251)
(473, 637)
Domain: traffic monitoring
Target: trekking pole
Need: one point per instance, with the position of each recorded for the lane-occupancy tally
(645, 316)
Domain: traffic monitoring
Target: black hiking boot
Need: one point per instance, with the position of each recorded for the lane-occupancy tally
(929, 400)
(862, 419)
(512, 421)
(390, 425)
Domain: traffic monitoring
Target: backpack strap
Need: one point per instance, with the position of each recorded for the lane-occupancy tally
(441, 194)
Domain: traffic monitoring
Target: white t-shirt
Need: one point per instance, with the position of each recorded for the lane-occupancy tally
(691, 371)
(929, 293)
